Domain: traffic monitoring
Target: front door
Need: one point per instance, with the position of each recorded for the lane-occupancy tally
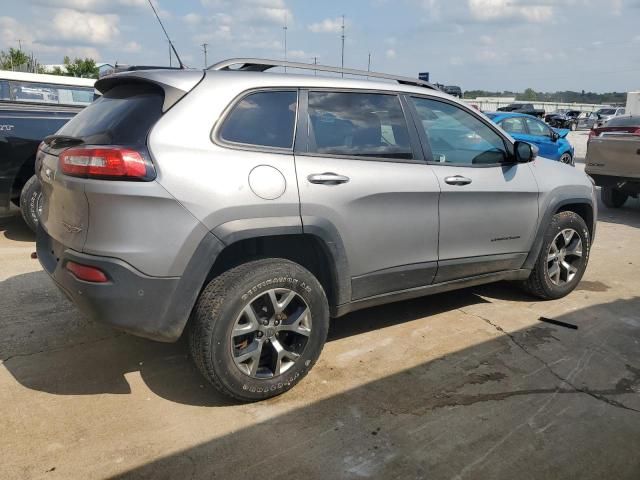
(541, 136)
(488, 205)
(361, 174)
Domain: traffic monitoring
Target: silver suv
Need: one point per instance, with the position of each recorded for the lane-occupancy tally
(250, 207)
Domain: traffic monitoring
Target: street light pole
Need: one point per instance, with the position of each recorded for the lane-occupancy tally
(285, 39)
(204, 47)
(342, 62)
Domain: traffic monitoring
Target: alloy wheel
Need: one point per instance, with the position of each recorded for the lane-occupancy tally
(566, 158)
(271, 333)
(564, 257)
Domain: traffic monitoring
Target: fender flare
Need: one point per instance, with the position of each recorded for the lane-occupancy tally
(550, 211)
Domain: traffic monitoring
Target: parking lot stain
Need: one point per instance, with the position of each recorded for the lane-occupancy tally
(588, 286)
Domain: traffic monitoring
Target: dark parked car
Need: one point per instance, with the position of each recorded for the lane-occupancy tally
(32, 107)
(564, 118)
(453, 90)
(526, 108)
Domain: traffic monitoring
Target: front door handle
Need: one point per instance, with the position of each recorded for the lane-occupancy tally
(327, 178)
(457, 180)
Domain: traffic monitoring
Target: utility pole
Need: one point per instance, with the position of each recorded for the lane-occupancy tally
(342, 62)
(284, 29)
(315, 62)
(369, 63)
(204, 47)
(170, 54)
(20, 44)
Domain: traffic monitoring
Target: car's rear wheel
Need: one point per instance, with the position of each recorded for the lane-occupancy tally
(566, 158)
(257, 329)
(613, 198)
(563, 257)
(31, 202)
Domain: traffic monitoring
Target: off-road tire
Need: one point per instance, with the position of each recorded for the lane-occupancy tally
(539, 284)
(613, 198)
(217, 309)
(29, 201)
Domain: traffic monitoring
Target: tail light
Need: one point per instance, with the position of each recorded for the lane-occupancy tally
(637, 131)
(116, 163)
(86, 272)
(592, 134)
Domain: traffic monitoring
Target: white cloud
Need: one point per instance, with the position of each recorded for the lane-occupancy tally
(192, 19)
(492, 10)
(132, 46)
(85, 27)
(391, 53)
(486, 40)
(328, 25)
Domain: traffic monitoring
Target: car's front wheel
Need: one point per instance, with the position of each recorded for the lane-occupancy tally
(562, 259)
(613, 198)
(258, 328)
(567, 158)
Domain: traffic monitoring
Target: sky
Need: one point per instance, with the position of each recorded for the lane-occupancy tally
(548, 45)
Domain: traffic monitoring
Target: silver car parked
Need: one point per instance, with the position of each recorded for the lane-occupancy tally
(250, 207)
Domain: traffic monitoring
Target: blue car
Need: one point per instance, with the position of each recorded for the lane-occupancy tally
(551, 142)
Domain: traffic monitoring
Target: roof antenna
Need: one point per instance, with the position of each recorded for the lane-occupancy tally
(167, 35)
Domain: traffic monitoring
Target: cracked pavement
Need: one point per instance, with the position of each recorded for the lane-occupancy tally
(463, 385)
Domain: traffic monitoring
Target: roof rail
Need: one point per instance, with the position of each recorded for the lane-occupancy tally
(261, 65)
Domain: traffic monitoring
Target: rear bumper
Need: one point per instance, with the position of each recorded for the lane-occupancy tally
(152, 307)
(624, 183)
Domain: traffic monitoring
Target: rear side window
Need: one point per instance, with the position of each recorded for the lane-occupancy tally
(49, 93)
(262, 119)
(122, 116)
(358, 124)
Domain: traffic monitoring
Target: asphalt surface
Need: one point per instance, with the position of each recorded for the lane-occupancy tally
(463, 385)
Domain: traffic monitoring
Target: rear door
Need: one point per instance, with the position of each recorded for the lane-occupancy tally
(361, 174)
(488, 205)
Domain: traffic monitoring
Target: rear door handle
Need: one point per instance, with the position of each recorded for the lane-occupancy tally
(327, 178)
(457, 180)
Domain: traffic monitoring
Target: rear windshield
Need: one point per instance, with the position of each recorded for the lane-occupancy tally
(607, 111)
(624, 122)
(122, 116)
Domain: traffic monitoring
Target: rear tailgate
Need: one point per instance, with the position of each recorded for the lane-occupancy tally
(617, 156)
(65, 212)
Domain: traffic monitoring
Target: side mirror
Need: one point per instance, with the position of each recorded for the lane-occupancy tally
(555, 136)
(525, 152)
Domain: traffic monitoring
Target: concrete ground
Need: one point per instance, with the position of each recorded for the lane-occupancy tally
(467, 384)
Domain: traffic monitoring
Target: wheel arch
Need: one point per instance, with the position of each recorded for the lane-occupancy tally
(315, 244)
(581, 206)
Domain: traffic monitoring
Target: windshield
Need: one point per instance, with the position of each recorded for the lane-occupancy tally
(606, 111)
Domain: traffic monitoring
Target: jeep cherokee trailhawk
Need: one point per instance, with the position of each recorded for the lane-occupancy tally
(250, 207)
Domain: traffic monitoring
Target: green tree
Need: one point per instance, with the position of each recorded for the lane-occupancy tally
(529, 95)
(85, 68)
(13, 59)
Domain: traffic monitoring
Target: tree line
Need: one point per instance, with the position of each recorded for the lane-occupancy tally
(567, 96)
(16, 59)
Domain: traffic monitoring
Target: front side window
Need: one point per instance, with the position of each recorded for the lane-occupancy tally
(537, 128)
(262, 119)
(358, 125)
(457, 137)
(513, 125)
